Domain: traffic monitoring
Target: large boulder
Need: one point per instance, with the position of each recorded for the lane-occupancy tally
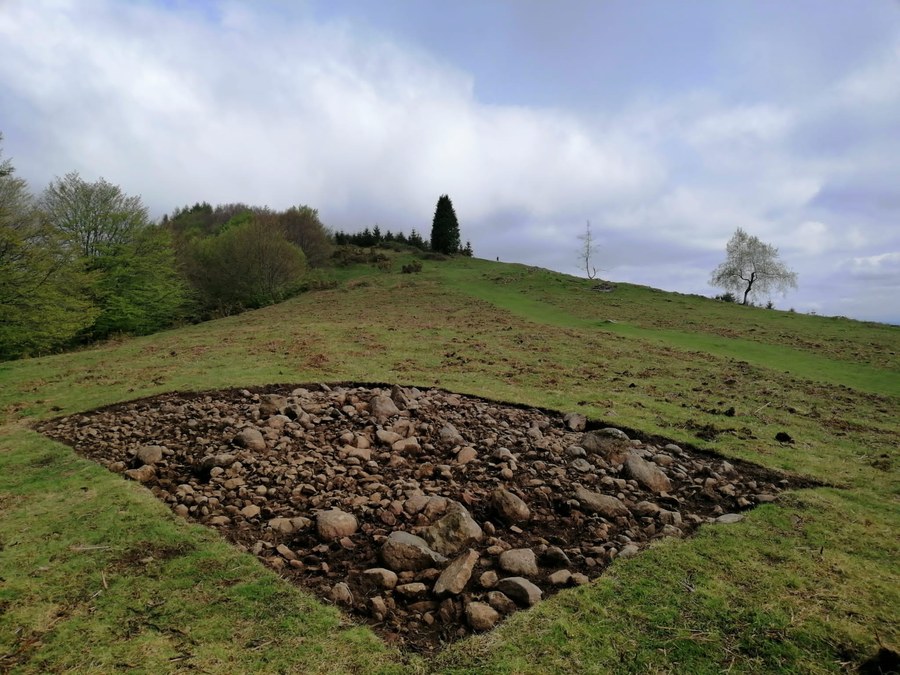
(250, 438)
(611, 448)
(335, 524)
(272, 404)
(521, 591)
(457, 574)
(575, 421)
(604, 505)
(647, 474)
(403, 552)
(509, 507)
(383, 408)
(149, 454)
(481, 616)
(455, 531)
(451, 436)
(519, 562)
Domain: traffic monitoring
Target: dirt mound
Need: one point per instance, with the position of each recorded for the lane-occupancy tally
(425, 513)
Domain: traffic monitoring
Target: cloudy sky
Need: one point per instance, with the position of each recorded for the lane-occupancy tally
(665, 124)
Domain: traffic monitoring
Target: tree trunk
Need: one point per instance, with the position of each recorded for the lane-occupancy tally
(749, 286)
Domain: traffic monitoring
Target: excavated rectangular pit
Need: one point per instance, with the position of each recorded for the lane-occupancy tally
(319, 481)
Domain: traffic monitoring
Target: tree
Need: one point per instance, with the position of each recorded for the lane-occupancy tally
(92, 215)
(138, 286)
(131, 262)
(302, 227)
(752, 268)
(250, 264)
(587, 252)
(42, 300)
(445, 228)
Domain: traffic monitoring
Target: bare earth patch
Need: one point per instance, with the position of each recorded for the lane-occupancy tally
(427, 514)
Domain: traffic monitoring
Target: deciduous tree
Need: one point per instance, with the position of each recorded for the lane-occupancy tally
(752, 268)
(42, 300)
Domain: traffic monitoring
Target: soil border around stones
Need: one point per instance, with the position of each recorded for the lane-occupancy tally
(425, 513)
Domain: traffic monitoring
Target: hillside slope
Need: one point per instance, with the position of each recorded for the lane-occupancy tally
(808, 584)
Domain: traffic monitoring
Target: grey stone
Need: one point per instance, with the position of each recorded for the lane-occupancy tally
(451, 436)
(381, 577)
(501, 602)
(388, 437)
(488, 579)
(629, 551)
(149, 454)
(575, 421)
(222, 460)
(509, 507)
(521, 591)
(481, 616)
(382, 408)
(647, 474)
(560, 577)
(454, 531)
(412, 591)
(272, 404)
(251, 438)
(335, 524)
(554, 557)
(403, 551)
(728, 518)
(144, 474)
(519, 562)
(250, 511)
(457, 574)
(340, 594)
(466, 455)
(605, 505)
(581, 465)
(646, 509)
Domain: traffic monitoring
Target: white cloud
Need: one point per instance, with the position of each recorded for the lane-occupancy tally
(262, 103)
(883, 266)
(257, 111)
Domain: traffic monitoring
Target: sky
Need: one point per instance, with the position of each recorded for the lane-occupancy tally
(666, 125)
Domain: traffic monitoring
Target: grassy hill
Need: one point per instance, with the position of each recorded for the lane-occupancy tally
(96, 575)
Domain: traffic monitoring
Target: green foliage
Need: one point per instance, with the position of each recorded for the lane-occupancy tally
(250, 264)
(301, 226)
(92, 216)
(445, 228)
(42, 304)
(135, 284)
(138, 286)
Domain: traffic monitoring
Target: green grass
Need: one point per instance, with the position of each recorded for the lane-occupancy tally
(96, 575)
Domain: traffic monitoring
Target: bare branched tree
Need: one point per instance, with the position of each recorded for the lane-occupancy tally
(587, 252)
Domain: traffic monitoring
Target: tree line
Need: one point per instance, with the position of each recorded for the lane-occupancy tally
(445, 236)
(82, 260)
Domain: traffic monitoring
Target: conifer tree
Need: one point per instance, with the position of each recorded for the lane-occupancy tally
(445, 228)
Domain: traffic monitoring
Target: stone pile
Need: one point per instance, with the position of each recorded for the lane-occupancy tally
(426, 513)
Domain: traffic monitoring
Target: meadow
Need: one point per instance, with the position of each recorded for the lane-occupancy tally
(96, 575)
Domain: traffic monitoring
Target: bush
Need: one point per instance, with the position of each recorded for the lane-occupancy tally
(726, 297)
(412, 268)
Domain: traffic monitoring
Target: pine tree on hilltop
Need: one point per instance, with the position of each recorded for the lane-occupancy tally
(445, 228)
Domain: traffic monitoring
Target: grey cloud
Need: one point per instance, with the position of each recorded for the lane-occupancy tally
(272, 104)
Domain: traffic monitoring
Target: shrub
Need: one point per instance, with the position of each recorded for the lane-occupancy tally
(412, 268)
